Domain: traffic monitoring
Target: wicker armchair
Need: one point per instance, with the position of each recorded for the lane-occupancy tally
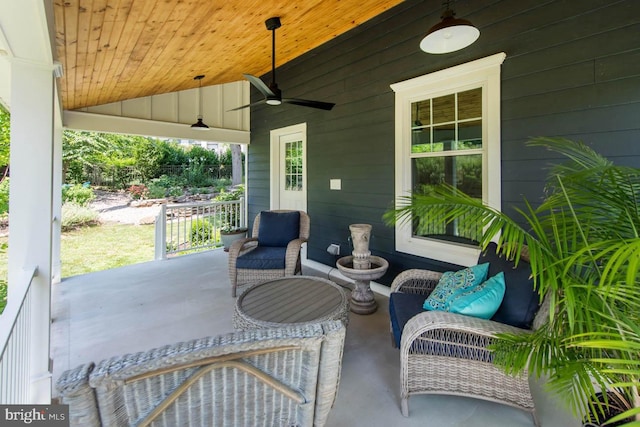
(250, 261)
(446, 353)
(287, 376)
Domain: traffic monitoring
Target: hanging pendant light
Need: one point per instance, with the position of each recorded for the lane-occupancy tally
(450, 34)
(199, 125)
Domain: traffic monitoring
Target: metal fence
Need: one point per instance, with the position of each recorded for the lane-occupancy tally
(191, 227)
(122, 176)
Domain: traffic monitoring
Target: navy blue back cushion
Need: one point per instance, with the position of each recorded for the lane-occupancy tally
(277, 229)
(263, 258)
(521, 302)
(403, 307)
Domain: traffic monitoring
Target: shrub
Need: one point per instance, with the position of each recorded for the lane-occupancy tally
(75, 216)
(138, 192)
(229, 218)
(3, 295)
(4, 196)
(221, 183)
(234, 194)
(167, 181)
(156, 191)
(80, 194)
(202, 232)
(197, 175)
(3, 283)
(175, 191)
(200, 190)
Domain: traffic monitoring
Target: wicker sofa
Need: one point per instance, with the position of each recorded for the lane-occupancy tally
(286, 376)
(268, 254)
(446, 353)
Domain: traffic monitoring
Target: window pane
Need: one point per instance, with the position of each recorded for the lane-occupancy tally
(469, 135)
(444, 137)
(293, 166)
(421, 140)
(470, 104)
(421, 113)
(444, 109)
(462, 172)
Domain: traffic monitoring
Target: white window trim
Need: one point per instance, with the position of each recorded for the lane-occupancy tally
(485, 73)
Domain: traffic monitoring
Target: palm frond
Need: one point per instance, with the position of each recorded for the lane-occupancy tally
(583, 242)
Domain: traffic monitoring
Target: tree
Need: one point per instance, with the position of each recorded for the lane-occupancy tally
(236, 164)
(80, 149)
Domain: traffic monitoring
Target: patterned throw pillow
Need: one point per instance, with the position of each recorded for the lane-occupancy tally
(453, 283)
(482, 301)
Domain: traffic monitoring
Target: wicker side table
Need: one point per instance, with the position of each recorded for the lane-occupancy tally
(292, 300)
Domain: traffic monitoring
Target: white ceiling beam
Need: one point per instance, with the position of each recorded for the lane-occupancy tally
(131, 126)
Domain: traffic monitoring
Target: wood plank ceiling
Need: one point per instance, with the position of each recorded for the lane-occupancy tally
(112, 50)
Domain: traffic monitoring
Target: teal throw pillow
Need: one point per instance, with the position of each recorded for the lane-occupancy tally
(482, 301)
(454, 282)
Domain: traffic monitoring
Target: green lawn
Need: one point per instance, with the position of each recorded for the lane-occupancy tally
(104, 247)
(97, 248)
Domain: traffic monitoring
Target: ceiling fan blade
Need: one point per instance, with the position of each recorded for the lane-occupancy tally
(307, 103)
(253, 104)
(259, 84)
(272, 94)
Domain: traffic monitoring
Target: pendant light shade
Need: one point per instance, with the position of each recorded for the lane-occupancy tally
(199, 125)
(450, 34)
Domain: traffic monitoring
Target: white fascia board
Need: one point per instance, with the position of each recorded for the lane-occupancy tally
(25, 28)
(78, 120)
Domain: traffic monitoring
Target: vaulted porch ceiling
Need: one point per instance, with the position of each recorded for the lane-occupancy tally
(113, 50)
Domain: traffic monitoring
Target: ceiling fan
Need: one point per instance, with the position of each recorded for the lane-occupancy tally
(273, 95)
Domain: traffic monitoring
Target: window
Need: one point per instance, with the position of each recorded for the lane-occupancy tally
(448, 131)
(293, 166)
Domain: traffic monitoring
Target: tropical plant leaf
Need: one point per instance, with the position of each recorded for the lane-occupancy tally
(583, 243)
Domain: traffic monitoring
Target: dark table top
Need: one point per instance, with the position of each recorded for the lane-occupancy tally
(292, 300)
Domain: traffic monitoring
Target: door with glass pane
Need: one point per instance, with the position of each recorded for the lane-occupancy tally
(292, 171)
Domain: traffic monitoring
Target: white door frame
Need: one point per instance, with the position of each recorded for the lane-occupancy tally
(275, 135)
(274, 200)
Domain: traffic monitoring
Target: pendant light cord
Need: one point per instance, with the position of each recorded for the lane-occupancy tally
(199, 79)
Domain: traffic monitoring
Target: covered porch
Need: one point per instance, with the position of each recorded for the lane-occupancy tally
(142, 306)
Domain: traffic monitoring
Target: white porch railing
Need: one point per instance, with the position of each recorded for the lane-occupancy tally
(15, 339)
(190, 227)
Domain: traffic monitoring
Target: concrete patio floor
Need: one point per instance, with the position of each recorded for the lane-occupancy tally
(138, 307)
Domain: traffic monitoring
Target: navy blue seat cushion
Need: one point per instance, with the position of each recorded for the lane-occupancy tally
(262, 258)
(403, 307)
(521, 301)
(278, 228)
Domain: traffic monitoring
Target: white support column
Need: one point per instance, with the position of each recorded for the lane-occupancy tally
(31, 205)
(56, 266)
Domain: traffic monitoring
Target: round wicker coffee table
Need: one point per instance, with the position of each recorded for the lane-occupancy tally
(288, 301)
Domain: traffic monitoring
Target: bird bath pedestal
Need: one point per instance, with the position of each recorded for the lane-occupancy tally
(362, 267)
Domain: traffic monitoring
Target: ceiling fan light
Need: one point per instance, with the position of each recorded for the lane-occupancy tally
(274, 101)
(449, 35)
(199, 125)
